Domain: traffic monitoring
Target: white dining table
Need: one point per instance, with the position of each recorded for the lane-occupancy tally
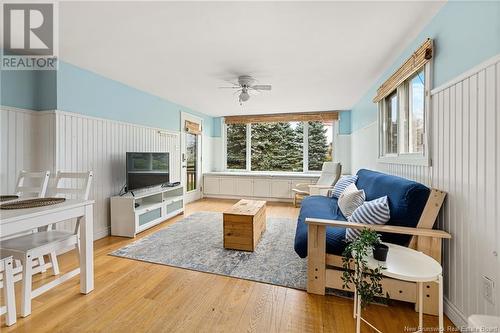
(19, 220)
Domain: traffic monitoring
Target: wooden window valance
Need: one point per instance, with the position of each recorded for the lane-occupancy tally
(283, 117)
(412, 65)
(192, 127)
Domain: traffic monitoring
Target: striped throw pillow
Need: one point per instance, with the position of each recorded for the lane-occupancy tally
(351, 199)
(341, 185)
(371, 212)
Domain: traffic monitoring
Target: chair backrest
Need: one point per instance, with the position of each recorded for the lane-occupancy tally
(72, 183)
(32, 184)
(330, 173)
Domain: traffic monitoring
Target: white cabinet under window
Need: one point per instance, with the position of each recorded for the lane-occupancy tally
(267, 186)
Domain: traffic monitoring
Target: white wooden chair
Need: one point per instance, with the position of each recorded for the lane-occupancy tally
(7, 283)
(26, 248)
(32, 184)
(330, 174)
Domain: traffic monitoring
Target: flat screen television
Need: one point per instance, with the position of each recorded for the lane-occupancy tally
(147, 170)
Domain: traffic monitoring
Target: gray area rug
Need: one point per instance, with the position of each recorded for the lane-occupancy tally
(196, 243)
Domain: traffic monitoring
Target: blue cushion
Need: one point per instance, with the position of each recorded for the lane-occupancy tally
(406, 199)
(324, 208)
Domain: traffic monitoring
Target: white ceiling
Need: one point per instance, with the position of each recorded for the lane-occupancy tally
(317, 55)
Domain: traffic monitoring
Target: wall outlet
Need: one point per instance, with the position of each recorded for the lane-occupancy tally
(488, 289)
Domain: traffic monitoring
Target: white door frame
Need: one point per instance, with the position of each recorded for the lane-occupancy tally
(195, 194)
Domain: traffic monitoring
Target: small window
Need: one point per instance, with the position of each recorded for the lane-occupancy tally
(416, 114)
(236, 146)
(391, 124)
(402, 122)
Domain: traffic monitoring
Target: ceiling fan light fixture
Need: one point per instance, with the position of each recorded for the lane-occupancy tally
(244, 96)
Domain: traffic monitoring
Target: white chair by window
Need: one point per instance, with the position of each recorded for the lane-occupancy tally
(32, 184)
(7, 283)
(330, 174)
(26, 248)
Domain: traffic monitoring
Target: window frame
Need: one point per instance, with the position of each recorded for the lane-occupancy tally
(417, 158)
(305, 150)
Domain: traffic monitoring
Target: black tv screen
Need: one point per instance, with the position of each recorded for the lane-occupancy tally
(146, 170)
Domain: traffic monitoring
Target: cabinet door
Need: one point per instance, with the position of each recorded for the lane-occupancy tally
(211, 185)
(227, 185)
(244, 187)
(262, 187)
(280, 188)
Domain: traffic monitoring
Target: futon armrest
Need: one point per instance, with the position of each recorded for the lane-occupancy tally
(320, 186)
(380, 228)
(319, 189)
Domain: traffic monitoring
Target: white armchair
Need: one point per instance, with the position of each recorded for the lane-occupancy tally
(330, 174)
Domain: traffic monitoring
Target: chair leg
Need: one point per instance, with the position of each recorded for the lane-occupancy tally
(26, 291)
(41, 263)
(55, 264)
(8, 293)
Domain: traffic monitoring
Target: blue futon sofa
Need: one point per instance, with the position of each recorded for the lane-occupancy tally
(406, 202)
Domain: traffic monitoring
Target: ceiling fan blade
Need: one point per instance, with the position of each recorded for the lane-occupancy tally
(262, 87)
(235, 87)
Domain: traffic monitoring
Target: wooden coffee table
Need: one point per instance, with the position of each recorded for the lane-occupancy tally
(244, 224)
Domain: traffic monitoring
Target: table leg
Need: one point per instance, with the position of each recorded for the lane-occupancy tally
(87, 251)
(355, 304)
(441, 316)
(420, 306)
(358, 314)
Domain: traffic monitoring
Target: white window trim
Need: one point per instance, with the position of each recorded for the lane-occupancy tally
(419, 159)
(305, 151)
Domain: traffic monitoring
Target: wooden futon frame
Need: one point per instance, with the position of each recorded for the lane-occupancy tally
(325, 270)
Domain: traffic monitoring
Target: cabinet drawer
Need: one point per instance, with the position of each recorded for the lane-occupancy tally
(147, 217)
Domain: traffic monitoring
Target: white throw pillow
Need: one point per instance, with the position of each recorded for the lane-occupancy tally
(371, 212)
(350, 199)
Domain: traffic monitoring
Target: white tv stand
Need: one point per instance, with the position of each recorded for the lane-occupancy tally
(154, 206)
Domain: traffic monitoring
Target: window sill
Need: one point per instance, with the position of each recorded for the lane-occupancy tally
(406, 159)
(265, 174)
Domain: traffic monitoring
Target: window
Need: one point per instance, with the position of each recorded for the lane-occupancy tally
(416, 114)
(279, 146)
(391, 124)
(192, 160)
(402, 119)
(320, 144)
(236, 146)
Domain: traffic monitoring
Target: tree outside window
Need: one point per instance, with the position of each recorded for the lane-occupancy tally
(279, 146)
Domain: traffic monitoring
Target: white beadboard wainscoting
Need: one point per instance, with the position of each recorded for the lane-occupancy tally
(57, 140)
(465, 152)
(20, 146)
(87, 143)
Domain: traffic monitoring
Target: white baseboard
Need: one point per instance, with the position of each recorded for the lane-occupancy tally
(102, 233)
(455, 315)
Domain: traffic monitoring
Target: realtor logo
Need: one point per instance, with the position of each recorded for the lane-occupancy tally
(28, 29)
(28, 36)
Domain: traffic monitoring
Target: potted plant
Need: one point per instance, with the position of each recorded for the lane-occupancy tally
(367, 281)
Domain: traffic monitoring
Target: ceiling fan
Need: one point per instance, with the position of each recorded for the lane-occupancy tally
(246, 85)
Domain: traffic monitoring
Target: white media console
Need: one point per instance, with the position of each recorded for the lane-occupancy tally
(153, 206)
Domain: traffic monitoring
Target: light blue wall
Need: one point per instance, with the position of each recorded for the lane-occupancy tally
(465, 34)
(345, 122)
(33, 90)
(85, 92)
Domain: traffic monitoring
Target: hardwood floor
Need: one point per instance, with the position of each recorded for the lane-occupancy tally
(134, 296)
